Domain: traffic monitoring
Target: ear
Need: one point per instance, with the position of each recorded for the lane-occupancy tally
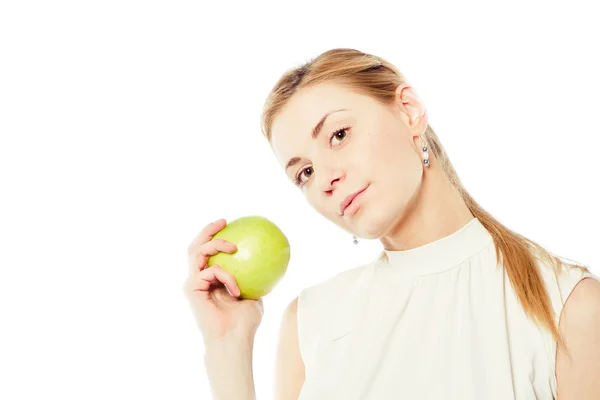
(413, 109)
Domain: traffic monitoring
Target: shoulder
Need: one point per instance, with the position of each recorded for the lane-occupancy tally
(290, 370)
(582, 308)
(578, 364)
(560, 282)
(333, 285)
(315, 303)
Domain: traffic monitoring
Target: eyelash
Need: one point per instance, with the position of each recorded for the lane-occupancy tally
(297, 181)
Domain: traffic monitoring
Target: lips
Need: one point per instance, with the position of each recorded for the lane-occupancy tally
(346, 202)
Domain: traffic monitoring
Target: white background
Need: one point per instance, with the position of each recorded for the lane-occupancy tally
(126, 126)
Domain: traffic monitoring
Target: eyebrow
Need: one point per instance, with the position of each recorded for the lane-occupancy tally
(315, 134)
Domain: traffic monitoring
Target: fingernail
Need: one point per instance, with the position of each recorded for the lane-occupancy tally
(217, 221)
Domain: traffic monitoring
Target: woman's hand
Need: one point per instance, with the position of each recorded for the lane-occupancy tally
(213, 292)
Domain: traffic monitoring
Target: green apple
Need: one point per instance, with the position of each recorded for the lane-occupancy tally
(261, 258)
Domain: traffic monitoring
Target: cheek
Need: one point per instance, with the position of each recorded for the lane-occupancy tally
(389, 153)
(324, 209)
(395, 166)
(316, 204)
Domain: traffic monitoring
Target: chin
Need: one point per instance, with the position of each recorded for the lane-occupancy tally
(378, 222)
(371, 226)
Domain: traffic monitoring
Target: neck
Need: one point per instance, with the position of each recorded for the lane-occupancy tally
(437, 210)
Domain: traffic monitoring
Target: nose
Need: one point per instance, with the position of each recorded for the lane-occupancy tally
(328, 178)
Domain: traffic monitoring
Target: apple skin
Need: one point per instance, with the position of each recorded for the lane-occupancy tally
(261, 258)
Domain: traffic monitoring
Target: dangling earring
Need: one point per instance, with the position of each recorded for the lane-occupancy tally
(425, 151)
(354, 240)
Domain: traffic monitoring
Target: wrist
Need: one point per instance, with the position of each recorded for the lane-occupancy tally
(226, 351)
(238, 342)
(228, 364)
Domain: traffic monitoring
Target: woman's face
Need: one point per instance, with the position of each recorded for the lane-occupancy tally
(360, 144)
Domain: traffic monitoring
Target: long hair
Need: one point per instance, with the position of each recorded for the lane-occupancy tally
(375, 77)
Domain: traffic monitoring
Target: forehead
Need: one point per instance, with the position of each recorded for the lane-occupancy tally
(292, 126)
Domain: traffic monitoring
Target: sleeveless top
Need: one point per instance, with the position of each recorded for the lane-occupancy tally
(440, 321)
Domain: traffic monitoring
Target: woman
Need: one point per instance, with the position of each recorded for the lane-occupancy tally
(457, 306)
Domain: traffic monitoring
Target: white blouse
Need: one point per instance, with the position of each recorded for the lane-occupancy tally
(440, 321)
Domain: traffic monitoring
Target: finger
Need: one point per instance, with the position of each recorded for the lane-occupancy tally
(206, 234)
(198, 260)
(213, 275)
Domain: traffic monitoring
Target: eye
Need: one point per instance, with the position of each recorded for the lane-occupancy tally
(307, 172)
(339, 134)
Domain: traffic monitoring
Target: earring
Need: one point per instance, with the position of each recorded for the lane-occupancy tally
(425, 151)
(354, 240)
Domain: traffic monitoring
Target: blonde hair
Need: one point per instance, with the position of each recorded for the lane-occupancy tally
(375, 77)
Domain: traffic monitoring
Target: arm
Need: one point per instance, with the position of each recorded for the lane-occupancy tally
(289, 369)
(229, 369)
(578, 372)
